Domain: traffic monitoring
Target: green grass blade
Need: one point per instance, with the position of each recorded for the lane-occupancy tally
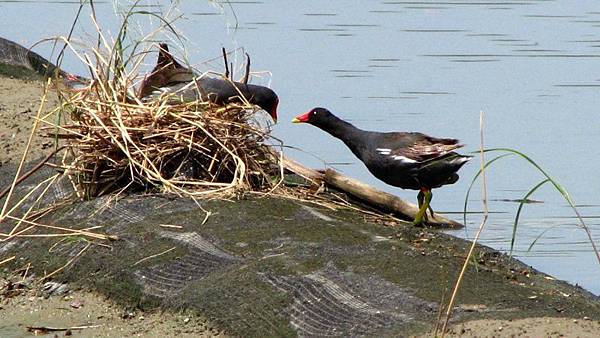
(540, 236)
(473, 183)
(559, 188)
(542, 171)
(519, 209)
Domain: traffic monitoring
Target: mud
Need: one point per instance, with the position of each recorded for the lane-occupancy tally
(88, 314)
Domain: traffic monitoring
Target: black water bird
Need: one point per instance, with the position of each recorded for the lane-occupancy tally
(407, 160)
(169, 76)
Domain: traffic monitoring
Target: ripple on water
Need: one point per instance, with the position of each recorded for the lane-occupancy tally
(320, 14)
(205, 13)
(433, 30)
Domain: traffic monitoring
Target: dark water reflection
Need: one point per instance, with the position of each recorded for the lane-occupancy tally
(431, 66)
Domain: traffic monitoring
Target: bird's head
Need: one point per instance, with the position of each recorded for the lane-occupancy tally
(261, 96)
(316, 116)
(269, 103)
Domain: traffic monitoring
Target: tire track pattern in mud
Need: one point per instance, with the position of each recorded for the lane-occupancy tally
(323, 308)
(166, 279)
(247, 288)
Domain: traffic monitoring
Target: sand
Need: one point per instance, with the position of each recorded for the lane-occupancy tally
(530, 327)
(19, 103)
(86, 314)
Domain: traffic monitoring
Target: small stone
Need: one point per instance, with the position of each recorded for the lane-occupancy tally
(127, 314)
(186, 320)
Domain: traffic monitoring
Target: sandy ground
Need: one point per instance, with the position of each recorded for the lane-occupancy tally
(26, 312)
(97, 316)
(19, 102)
(530, 327)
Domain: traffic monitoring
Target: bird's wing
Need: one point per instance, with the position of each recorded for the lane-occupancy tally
(416, 147)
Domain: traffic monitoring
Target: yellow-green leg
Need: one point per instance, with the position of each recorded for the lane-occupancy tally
(430, 212)
(420, 198)
(423, 199)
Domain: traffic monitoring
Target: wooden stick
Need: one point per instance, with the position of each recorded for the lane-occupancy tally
(225, 61)
(155, 255)
(43, 329)
(66, 265)
(307, 173)
(32, 170)
(374, 197)
(7, 260)
(247, 75)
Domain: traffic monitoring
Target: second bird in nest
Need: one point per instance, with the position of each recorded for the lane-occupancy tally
(407, 160)
(169, 76)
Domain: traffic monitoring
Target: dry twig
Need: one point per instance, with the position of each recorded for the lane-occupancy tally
(481, 226)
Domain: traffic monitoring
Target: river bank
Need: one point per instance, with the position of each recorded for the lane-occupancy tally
(264, 267)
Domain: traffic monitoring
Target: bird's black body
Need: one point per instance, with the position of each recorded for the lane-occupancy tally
(405, 160)
(169, 76)
(222, 91)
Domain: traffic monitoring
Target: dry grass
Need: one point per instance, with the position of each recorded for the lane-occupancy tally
(116, 140)
(111, 140)
(192, 148)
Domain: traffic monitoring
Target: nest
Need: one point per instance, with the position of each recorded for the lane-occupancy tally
(118, 141)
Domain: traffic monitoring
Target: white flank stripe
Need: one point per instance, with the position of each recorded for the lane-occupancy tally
(462, 160)
(384, 151)
(403, 159)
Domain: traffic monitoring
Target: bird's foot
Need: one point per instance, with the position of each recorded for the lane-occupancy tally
(424, 198)
(418, 223)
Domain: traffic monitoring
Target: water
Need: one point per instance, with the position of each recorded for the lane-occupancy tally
(430, 66)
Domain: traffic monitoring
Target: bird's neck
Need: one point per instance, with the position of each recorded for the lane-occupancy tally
(352, 136)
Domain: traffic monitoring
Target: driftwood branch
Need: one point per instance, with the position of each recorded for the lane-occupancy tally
(374, 197)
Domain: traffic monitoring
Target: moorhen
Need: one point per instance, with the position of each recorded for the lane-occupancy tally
(169, 76)
(407, 160)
